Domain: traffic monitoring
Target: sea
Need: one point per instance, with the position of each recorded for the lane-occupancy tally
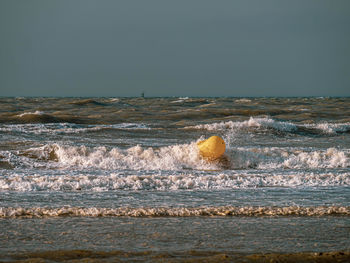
(121, 179)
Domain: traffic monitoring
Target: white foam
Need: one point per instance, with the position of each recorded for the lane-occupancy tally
(68, 128)
(179, 157)
(330, 158)
(181, 99)
(251, 123)
(288, 158)
(175, 157)
(331, 128)
(161, 181)
(269, 123)
(31, 113)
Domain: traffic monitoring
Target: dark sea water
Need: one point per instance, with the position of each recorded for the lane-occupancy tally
(121, 178)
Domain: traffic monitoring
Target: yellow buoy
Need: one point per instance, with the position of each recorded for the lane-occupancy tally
(212, 148)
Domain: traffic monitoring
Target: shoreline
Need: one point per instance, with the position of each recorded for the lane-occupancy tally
(185, 256)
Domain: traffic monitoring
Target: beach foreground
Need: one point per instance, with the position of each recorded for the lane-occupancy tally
(191, 256)
(176, 239)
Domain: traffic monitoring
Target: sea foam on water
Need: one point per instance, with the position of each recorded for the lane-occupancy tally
(269, 123)
(97, 181)
(186, 156)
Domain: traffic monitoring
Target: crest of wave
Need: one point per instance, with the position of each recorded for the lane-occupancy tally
(251, 123)
(178, 157)
(269, 123)
(169, 181)
(330, 158)
(331, 128)
(274, 157)
(186, 156)
(172, 157)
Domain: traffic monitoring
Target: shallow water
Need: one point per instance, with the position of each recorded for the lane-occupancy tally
(90, 164)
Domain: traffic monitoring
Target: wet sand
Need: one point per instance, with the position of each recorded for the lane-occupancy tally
(175, 239)
(339, 256)
(188, 256)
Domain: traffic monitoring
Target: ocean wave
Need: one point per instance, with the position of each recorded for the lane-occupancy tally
(174, 157)
(68, 128)
(243, 100)
(31, 113)
(87, 102)
(42, 117)
(177, 157)
(180, 100)
(168, 182)
(251, 123)
(37, 117)
(287, 158)
(40, 212)
(281, 126)
(331, 128)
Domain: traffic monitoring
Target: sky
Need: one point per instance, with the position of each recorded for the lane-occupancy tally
(117, 48)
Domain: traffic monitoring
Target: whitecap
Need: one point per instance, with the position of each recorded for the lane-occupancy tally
(31, 113)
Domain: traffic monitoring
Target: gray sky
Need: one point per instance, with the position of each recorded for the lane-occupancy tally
(175, 48)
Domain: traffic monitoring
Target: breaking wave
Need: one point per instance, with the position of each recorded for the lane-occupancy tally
(288, 158)
(68, 128)
(169, 182)
(179, 157)
(33, 117)
(174, 157)
(40, 212)
(37, 117)
(281, 126)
